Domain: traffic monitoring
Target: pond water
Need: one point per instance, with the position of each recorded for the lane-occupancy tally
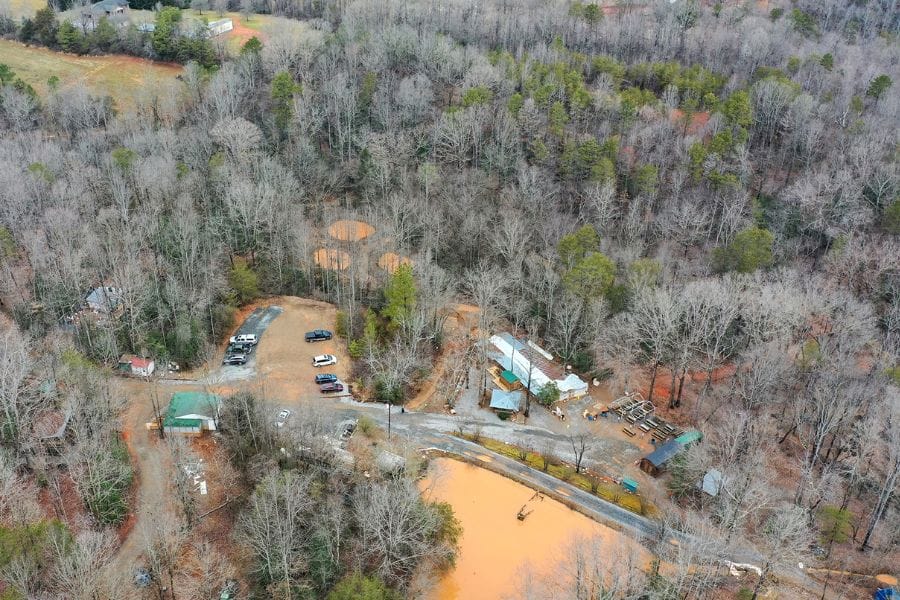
(496, 548)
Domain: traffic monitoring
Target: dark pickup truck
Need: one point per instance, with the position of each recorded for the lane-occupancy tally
(319, 335)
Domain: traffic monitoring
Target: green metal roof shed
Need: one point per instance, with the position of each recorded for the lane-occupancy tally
(192, 412)
(689, 437)
(509, 377)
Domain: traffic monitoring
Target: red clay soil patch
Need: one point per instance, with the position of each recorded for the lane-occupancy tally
(72, 512)
(242, 33)
(390, 262)
(698, 121)
(329, 258)
(720, 374)
(350, 231)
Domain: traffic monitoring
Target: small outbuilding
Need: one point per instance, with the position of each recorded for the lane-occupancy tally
(711, 483)
(103, 299)
(689, 438)
(655, 462)
(136, 366)
(191, 413)
(219, 27)
(503, 401)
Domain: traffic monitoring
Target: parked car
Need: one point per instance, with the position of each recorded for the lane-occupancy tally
(324, 360)
(282, 417)
(244, 338)
(239, 349)
(331, 387)
(326, 378)
(235, 359)
(318, 335)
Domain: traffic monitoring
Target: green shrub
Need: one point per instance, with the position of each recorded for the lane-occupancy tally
(548, 394)
(891, 219)
(356, 349)
(340, 323)
(357, 586)
(244, 283)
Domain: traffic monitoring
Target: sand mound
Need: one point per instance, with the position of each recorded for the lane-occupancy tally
(329, 258)
(886, 579)
(350, 231)
(390, 262)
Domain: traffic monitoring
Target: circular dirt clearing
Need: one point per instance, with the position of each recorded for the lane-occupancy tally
(350, 231)
(329, 258)
(390, 262)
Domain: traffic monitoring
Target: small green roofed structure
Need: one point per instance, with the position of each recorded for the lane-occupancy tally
(509, 377)
(689, 437)
(192, 413)
(629, 484)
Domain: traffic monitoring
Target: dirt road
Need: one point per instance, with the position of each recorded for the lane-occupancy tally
(281, 371)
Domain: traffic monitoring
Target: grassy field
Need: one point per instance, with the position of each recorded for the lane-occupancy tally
(23, 8)
(118, 76)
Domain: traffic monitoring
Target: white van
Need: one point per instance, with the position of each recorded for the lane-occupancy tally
(244, 338)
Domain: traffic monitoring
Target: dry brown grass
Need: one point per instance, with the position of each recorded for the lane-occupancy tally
(118, 76)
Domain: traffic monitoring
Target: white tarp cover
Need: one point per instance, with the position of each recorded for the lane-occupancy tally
(519, 364)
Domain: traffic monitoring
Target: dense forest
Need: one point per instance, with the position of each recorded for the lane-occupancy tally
(651, 189)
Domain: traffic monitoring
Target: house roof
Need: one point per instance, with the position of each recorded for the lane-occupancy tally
(664, 453)
(51, 423)
(531, 365)
(501, 400)
(141, 363)
(188, 409)
(104, 296)
(106, 5)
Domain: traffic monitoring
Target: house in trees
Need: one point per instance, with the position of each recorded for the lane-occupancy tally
(534, 366)
(50, 428)
(135, 366)
(104, 299)
(110, 9)
(190, 413)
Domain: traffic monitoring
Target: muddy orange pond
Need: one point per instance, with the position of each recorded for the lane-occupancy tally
(496, 548)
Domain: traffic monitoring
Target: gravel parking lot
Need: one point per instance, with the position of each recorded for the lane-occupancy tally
(284, 358)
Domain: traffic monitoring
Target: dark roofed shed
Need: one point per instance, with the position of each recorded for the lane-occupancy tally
(655, 462)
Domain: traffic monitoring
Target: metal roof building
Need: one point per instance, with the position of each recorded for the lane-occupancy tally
(508, 401)
(689, 437)
(192, 413)
(534, 366)
(655, 462)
